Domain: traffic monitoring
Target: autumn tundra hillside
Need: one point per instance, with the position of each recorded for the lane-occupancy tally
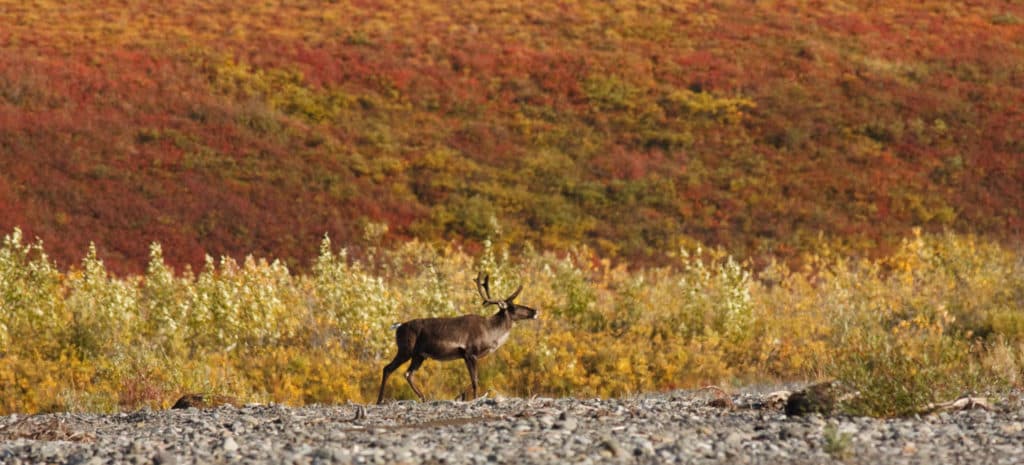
(769, 128)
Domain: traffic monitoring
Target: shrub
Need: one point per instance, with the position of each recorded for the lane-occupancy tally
(934, 319)
(30, 304)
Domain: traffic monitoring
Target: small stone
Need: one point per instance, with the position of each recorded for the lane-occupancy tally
(521, 427)
(909, 449)
(569, 424)
(1012, 428)
(612, 448)
(229, 445)
(322, 453)
(165, 458)
(733, 439)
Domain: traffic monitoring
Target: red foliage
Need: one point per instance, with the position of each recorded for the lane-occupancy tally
(868, 119)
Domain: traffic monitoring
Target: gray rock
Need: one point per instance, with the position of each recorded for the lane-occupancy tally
(165, 458)
(611, 448)
(229, 444)
(675, 427)
(569, 424)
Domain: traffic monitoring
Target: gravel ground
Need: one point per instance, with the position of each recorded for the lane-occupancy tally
(673, 427)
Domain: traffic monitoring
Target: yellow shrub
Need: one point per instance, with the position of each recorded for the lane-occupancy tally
(937, 317)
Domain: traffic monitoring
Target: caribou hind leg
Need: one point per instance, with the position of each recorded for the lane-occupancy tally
(417, 360)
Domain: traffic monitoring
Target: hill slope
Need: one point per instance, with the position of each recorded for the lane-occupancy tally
(766, 127)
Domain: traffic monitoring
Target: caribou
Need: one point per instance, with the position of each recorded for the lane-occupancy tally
(466, 337)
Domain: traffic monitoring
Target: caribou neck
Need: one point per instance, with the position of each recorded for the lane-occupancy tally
(501, 320)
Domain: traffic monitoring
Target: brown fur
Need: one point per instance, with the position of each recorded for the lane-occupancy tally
(467, 337)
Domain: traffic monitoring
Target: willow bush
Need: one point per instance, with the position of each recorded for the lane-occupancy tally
(937, 318)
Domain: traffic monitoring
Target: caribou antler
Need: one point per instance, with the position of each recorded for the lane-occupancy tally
(516, 293)
(484, 289)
